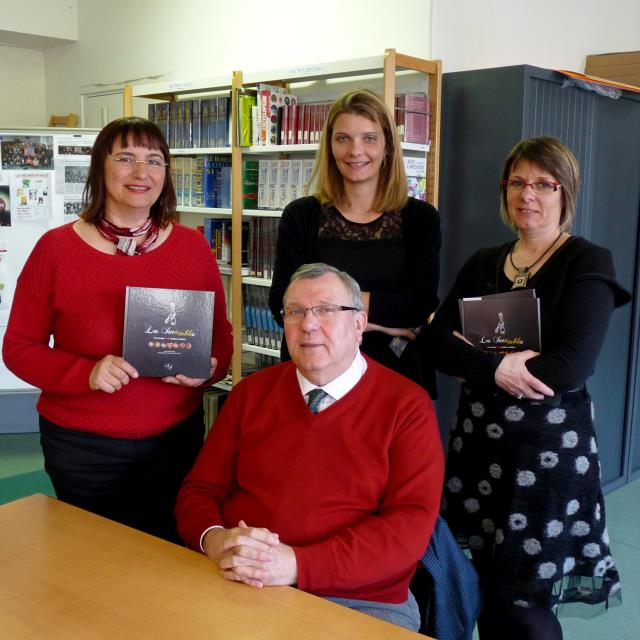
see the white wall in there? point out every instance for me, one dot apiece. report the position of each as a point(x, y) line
point(148, 40)
point(47, 19)
point(554, 34)
point(22, 88)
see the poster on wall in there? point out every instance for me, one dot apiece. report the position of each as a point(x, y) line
point(72, 154)
point(26, 152)
point(72, 207)
point(74, 147)
point(30, 196)
point(71, 178)
point(4, 281)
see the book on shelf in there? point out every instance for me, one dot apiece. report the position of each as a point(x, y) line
point(502, 323)
point(218, 233)
point(168, 331)
point(222, 121)
point(412, 117)
point(261, 234)
point(415, 169)
point(270, 99)
point(193, 124)
point(250, 178)
point(263, 173)
point(282, 181)
point(246, 100)
point(261, 328)
point(269, 116)
point(205, 107)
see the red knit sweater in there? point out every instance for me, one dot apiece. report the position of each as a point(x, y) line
point(75, 293)
point(354, 489)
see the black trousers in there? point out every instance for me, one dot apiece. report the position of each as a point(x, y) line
point(133, 481)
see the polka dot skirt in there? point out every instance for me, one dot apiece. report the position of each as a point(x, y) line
point(522, 491)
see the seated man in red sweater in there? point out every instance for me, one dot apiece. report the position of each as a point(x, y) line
point(336, 494)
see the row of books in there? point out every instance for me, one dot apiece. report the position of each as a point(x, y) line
point(260, 325)
point(253, 361)
point(258, 243)
point(270, 115)
point(412, 117)
point(261, 246)
point(194, 124)
point(202, 181)
point(281, 181)
point(205, 181)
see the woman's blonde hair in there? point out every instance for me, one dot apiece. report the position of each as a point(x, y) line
point(391, 194)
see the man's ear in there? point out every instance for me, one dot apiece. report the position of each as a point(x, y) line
point(361, 321)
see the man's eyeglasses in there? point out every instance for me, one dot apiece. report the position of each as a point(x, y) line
point(155, 164)
point(323, 313)
point(541, 186)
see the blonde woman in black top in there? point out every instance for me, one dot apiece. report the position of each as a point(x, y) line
point(360, 220)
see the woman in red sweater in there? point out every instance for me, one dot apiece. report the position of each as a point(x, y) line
point(114, 442)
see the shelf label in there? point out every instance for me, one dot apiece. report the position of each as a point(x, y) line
point(306, 69)
point(181, 84)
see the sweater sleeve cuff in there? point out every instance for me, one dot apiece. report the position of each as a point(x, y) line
point(312, 574)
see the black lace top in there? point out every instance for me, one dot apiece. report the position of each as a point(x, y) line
point(395, 258)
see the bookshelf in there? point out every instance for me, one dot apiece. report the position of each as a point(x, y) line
point(386, 74)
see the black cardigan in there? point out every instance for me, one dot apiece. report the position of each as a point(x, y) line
point(411, 299)
point(578, 292)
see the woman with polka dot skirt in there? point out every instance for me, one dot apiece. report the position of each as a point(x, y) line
point(522, 488)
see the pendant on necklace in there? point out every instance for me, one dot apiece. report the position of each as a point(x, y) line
point(126, 245)
point(521, 279)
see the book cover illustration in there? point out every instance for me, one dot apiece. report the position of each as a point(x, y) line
point(168, 331)
point(502, 323)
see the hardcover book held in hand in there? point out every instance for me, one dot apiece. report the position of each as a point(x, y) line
point(168, 331)
point(502, 323)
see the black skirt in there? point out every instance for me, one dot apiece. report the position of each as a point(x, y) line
point(522, 492)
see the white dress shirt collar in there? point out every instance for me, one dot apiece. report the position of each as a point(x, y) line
point(342, 384)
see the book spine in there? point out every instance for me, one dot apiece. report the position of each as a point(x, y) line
point(295, 180)
point(282, 190)
point(187, 125)
point(249, 184)
point(301, 108)
point(272, 184)
point(307, 170)
point(195, 123)
point(263, 184)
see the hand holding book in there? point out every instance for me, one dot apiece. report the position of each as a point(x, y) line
point(185, 381)
point(507, 324)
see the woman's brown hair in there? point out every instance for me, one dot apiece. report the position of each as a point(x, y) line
point(553, 156)
point(128, 131)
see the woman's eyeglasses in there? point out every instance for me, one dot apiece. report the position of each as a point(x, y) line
point(155, 164)
point(540, 186)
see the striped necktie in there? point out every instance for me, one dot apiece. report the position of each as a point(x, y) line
point(316, 396)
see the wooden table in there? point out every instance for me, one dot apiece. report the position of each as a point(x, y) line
point(66, 573)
